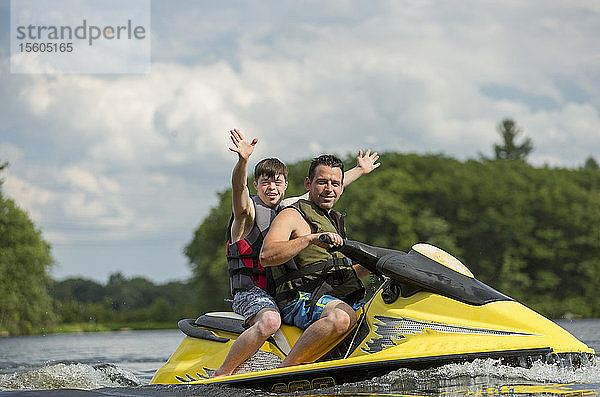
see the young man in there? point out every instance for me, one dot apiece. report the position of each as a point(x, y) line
point(318, 296)
point(251, 219)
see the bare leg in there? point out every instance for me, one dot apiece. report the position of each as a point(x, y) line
point(264, 324)
point(337, 319)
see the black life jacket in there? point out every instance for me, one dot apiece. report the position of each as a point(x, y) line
point(331, 273)
point(245, 270)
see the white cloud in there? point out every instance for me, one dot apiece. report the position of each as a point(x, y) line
point(79, 205)
point(10, 153)
point(140, 157)
point(29, 197)
point(566, 137)
point(82, 179)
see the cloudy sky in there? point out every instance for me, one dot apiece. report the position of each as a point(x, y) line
point(119, 170)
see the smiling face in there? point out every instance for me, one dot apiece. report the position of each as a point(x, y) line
point(326, 187)
point(271, 190)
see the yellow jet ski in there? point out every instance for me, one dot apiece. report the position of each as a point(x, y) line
point(429, 311)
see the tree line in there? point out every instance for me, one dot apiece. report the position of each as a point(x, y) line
point(531, 232)
point(122, 301)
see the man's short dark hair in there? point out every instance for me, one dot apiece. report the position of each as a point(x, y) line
point(328, 160)
point(269, 168)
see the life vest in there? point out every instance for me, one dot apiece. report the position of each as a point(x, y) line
point(318, 271)
point(245, 270)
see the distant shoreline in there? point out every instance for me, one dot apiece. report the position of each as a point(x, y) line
point(96, 327)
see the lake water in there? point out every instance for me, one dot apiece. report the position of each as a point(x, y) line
point(122, 364)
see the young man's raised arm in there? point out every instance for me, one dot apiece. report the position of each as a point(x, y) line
point(242, 206)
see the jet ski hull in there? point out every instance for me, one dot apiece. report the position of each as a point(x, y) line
point(419, 331)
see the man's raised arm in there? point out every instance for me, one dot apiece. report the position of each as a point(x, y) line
point(365, 163)
point(243, 209)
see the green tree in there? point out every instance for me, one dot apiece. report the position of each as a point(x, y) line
point(509, 149)
point(591, 164)
point(160, 308)
point(78, 289)
point(206, 253)
point(25, 258)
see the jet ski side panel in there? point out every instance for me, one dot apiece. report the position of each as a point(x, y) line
point(430, 325)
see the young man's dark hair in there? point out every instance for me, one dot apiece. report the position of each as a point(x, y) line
point(269, 168)
point(326, 159)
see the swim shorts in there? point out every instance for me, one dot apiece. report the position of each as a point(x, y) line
point(296, 312)
point(248, 303)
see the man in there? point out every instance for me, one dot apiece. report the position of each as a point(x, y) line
point(250, 221)
point(318, 296)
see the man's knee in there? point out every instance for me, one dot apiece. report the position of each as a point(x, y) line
point(345, 320)
point(268, 323)
point(341, 316)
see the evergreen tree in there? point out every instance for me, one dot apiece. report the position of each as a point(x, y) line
point(509, 149)
point(591, 164)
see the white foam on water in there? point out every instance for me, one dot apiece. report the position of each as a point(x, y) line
point(539, 372)
point(76, 376)
point(472, 377)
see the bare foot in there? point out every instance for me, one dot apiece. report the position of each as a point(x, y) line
point(218, 374)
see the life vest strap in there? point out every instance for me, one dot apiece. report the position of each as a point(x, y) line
point(241, 256)
point(327, 272)
point(301, 272)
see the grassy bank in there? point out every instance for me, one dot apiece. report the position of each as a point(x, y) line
point(99, 327)
point(105, 327)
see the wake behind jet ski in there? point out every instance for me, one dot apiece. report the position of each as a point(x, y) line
point(429, 311)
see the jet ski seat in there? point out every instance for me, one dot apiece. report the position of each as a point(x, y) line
point(227, 322)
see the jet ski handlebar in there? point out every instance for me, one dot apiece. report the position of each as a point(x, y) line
point(365, 255)
point(418, 272)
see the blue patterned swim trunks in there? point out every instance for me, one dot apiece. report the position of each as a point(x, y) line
point(296, 312)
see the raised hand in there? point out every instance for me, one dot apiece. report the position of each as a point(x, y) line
point(241, 146)
point(368, 161)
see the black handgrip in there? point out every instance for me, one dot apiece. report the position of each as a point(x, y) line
point(361, 253)
point(324, 238)
point(364, 254)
